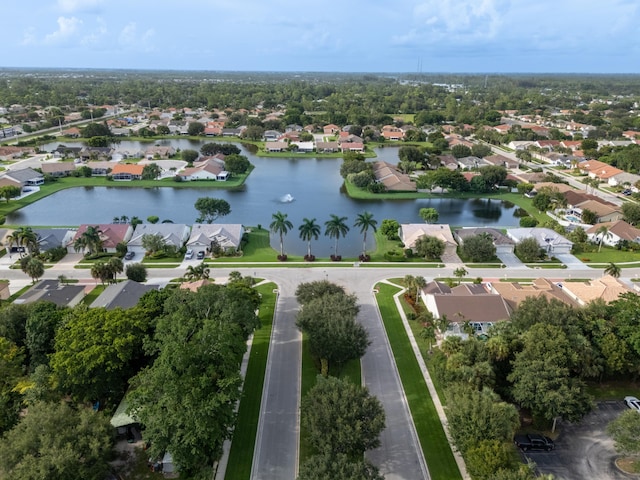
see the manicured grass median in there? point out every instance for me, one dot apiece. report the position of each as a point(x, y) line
point(435, 446)
point(244, 435)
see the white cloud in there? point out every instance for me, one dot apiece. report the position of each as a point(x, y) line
point(29, 37)
point(79, 5)
point(67, 27)
point(130, 38)
point(95, 36)
point(456, 21)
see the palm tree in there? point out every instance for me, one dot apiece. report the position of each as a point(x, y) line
point(116, 266)
point(602, 232)
point(309, 230)
point(613, 270)
point(124, 219)
point(365, 221)
point(336, 228)
point(34, 268)
point(281, 226)
point(199, 272)
point(91, 239)
point(24, 237)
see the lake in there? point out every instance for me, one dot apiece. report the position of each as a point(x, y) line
point(314, 185)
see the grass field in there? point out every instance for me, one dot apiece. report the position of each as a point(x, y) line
point(244, 435)
point(436, 448)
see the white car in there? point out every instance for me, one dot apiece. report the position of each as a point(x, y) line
point(188, 255)
point(633, 403)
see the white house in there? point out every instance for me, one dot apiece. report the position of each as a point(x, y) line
point(617, 231)
point(172, 233)
point(204, 236)
point(552, 242)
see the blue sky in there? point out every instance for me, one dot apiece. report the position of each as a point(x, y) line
point(593, 36)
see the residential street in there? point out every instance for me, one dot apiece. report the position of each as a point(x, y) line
point(276, 455)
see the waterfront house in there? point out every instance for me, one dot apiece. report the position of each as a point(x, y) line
point(205, 236)
point(111, 235)
point(127, 171)
point(26, 177)
point(174, 234)
point(549, 240)
point(409, 233)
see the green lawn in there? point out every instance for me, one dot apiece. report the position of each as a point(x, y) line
point(244, 435)
point(609, 255)
point(436, 448)
point(613, 390)
point(95, 293)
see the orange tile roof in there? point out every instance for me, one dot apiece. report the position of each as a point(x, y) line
point(131, 168)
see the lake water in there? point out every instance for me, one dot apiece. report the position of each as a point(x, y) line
point(314, 184)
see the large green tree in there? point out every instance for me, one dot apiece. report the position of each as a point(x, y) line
point(475, 415)
point(186, 398)
point(543, 378)
point(97, 350)
point(41, 326)
point(342, 417)
point(211, 209)
point(57, 441)
point(311, 290)
point(334, 334)
point(479, 248)
point(429, 247)
point(322, 467)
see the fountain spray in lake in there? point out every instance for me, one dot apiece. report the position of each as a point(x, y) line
point(288, 198)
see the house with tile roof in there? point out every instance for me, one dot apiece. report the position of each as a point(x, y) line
point(127, 171)
point(465, 303)
point(26, 177)
point(606, 288)
point(618, 231)
point(392, 178)
point(111, 235)
point(514, 293)
point(410, 232)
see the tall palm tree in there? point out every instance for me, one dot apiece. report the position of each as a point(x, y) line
point(602, 232)
point(91, 239)
point(336, 227)
point(309, 230)
point(116, 266)
point(365, 221)
point(24, 237)
point(281, 226)
point(613, 270)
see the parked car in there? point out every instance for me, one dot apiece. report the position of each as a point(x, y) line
point(627, 192)
point(188, 255)
point(633, 403)
point(129, 255)
point(200, 255)
point(533, 441)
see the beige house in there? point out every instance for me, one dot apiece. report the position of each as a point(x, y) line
point(411, 232)
point(606, 288)
point(515, 293)
point(392, 178)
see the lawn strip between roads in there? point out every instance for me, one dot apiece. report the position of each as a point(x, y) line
point(435, 447)
point(244, 435)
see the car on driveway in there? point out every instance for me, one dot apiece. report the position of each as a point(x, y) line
point(200, 255)
point(633, 403)
point(129, 255)
point(188, 255)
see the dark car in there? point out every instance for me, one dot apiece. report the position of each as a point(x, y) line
point(200, 255)
point(129, 255)
point(533, 441)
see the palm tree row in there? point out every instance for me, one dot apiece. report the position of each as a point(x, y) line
point(336, 227)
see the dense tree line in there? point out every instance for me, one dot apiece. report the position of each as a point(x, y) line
point(541, 361)
point(180, 351)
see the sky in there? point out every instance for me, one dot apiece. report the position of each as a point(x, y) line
point(474, 36)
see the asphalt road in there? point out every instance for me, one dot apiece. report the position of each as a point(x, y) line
point(583, 450)
point(399, 457)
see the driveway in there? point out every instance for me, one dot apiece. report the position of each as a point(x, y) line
point(583, 450)
point(510, 260)
point(571, 261)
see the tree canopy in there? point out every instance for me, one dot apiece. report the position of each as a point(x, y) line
point(211, 208)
